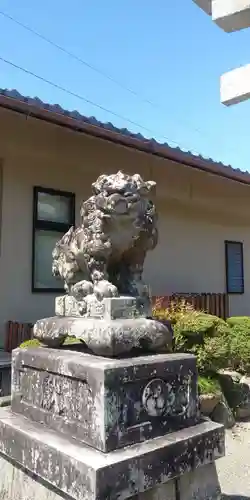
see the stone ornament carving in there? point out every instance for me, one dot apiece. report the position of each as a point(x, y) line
point(163, 398)
point(104, 256)
point(155, 397)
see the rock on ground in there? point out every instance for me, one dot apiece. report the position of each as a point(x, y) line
point(234, 468)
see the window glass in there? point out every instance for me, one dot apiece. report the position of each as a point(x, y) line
point(234, 267)
point(45, 242)
point(54, 208)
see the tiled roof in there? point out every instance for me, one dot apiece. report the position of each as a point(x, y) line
point(12, 99)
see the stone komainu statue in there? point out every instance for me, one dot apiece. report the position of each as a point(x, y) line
point(105, 255)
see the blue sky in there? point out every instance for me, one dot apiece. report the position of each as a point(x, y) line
point(168, 51)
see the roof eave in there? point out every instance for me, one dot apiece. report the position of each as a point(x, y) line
point(146, 146)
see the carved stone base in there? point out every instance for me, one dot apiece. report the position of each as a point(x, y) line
point(107, 337)
point(79, 472)
point(107, 308)
point(105, 403)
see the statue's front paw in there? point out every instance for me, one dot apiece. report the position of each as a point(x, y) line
point(81, 289)
point(104, 288)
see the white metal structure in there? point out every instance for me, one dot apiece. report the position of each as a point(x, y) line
point(231, 15)
point(235, 86)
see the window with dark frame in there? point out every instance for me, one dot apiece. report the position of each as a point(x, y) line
point(53, 215)
point(234, 267)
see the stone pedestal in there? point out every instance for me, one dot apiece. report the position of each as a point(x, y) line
point(114, 326)
point(16, 483)
point(120, 419)
point(84, 473)
point(84, 427)
point(105, 403)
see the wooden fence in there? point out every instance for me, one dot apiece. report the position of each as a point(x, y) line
point(212, 303)
point(16, 333)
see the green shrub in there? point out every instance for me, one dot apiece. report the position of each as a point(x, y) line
point(30, 343)
point(240, 348)
point(208, 385)
point(204, 335)
point(239, 343)
point(176, 310)
point(191, 329)
point(213, 354)
point(243, 321)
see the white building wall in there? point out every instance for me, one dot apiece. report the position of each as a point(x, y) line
point(190, 256)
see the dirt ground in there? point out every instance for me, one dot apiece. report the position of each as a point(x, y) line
point(234, 468)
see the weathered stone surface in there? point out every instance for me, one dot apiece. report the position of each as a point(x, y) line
point(165, 491)
point(103, 402)
point(18, 484)
point(84, 473)
point(107, 337)
point(200, 484)
point(223, 415)
point(208, 402)
point(105, 255)
point(237, 392)
point(107, 308)
point(107, 305)
point(243, 409)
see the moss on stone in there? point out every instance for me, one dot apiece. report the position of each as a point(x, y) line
point(30, 343)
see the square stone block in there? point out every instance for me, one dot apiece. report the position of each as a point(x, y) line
point(83, 473)
point(105, 403)
point(108, 309)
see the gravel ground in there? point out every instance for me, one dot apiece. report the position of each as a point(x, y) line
point(234, 468)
